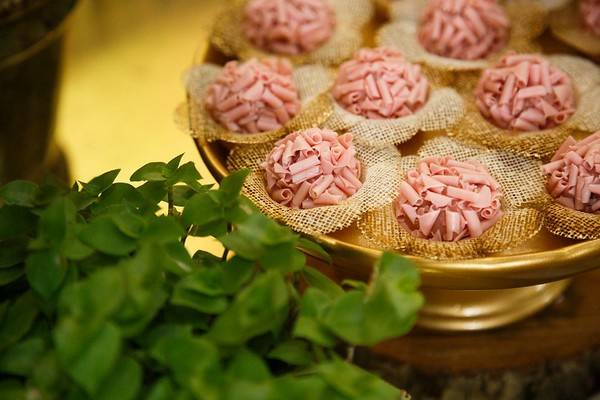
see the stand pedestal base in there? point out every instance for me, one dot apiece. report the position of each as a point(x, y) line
point(471, 310)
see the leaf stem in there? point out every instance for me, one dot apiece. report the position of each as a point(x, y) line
point(226, 251)
point(350, 354)
point(170, 200)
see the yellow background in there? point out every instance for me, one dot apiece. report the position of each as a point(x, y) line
point(122, 82)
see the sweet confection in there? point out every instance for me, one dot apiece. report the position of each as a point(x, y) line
point(379, 83)
point(256, 96)
point(312, 168)
point(464, 29)
point(443, 199)
point(590, 13)
point(288, 27)
point(574, 174)
point(525, 93)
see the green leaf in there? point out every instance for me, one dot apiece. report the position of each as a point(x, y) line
point(20, 358)
point(129, 223)
point(153, 193)
point(45, 272)
point(176, 259)
point(16, 221)
point(319, 281)
point(188, 174)
point(123, 195)
point(9, 275)
point(103, 235)
point(309, 323)
point(163, 229)
point(390, 310)
point(236, 273)
point(293, 352)
point(162, 390)
point(248, 366)
point(19, 193)
point(12, 389)
point(181, 195)
point(283, 257)
point(352, 382)
point(100, 183)
point(95, 298)
point(123, 382)
point(231, 186)
point(17, 320)
point(13, 252)
point(55, 221)
point(198, 301)
point(88, 356)
point(194, 362)
point(203, 209)
point(314, 250)
point(152, 172)
point(174, 163)
point(255, 310)
point(302, 388)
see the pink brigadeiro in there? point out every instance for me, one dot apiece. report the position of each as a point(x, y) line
point(574, 174)
point(448, 200)
point(289, 27)
point(590, 13)
point(464, 29)
point(256, 96)
point(312, 168)
point(379, 83)
point(525, 93)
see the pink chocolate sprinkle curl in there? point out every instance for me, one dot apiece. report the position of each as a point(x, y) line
point(311, 168)
point(446, 200)
point(256, 96)
point(288, 27)
point(590, 13)
point(524, 92)
point(464, 29)
point(379, 83)
point(574, 174)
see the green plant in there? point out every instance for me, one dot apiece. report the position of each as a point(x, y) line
point(101, 299)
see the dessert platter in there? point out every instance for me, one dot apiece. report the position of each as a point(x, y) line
point(437, 129)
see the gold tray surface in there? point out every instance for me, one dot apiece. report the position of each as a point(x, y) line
point(544, 258)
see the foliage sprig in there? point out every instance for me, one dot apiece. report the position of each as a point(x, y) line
point(100, 299)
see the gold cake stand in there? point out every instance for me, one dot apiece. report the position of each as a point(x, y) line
point(465, 295)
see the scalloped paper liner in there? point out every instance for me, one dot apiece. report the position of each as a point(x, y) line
point(351, 16)
point(381, 181)
point(527, 19)
point(567, 26)
point(443, 109)
point(523, 186)
point(474, 128)
point(312, 82)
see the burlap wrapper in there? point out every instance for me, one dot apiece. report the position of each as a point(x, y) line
point(523, 186)
point(474, 128)
point(566, 24)
point(566, 222)
point(381, 181)
point(443, 109)
point(351, 16)
point(312, 82)
point(548, 5)
point(527, 18)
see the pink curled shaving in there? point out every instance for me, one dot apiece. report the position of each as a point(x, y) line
point(288, 27)
point(574, 174)
point(312, 168)
point(524, 92)
point(590, 13)
point(464, 29)
point(256, 96)
point(379, 83)
point(447, 200)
